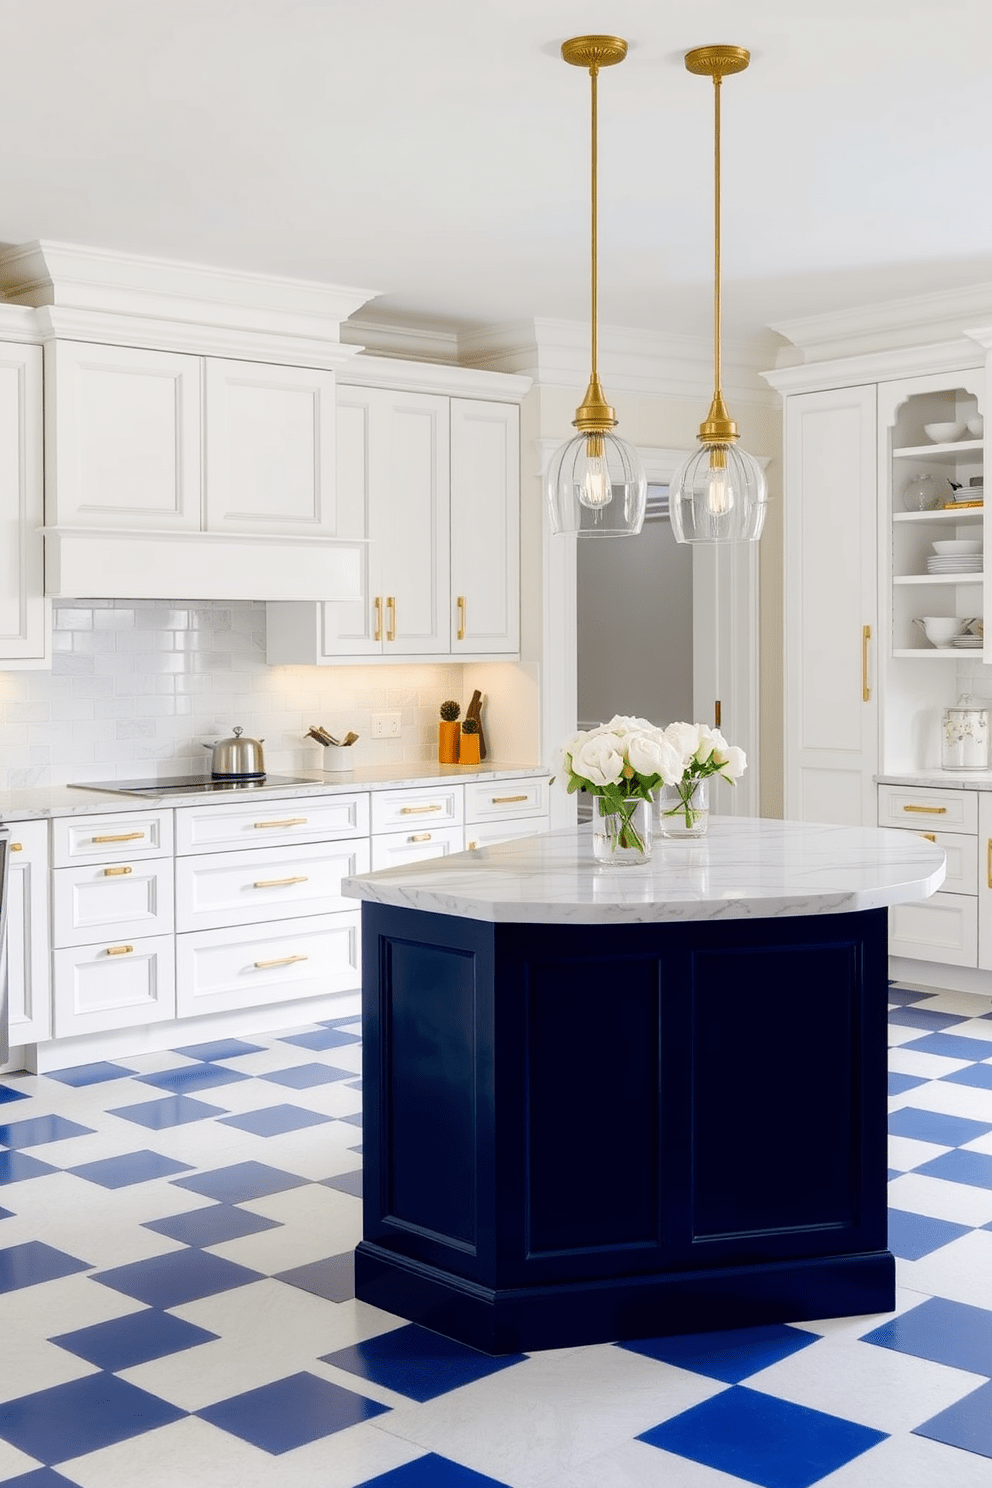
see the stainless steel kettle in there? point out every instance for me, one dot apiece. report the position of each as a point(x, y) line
point(237, 758)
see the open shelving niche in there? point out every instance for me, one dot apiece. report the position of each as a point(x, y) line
point(920, 680)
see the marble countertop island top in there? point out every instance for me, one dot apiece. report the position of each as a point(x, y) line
point(746, 867)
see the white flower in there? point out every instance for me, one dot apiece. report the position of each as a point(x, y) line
point(623, 724)
point(561, 759)
point(599, 759)
point(684, 737)
point(732, 762)
point(653, 754)
point(709, 739)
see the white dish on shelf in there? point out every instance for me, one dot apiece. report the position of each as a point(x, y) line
point(947, 566)
point(958, 546)
point(975, 425)
point(944, 433)
point(968, 642)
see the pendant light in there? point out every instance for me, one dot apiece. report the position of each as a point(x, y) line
point(596, 486)
point(719, 494)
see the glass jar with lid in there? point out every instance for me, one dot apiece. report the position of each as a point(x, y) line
point(965, 736)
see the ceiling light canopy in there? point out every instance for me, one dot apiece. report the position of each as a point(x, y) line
point(596, 486)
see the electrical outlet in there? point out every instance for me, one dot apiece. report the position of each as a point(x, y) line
point(385, 725)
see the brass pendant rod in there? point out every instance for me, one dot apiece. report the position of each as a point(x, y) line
point(594, 230)
point(717, 297)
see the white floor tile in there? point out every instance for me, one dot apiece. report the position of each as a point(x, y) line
point(62, 1306)
point(14, 1463)
point(939, 1199)
point(961, 1270)
point(859, 1325)
point(954, 1100)
point(634, 1464)
point(912, 1462)
point(898, 1034)
point(39, 1365)
point(315, 1222)
point(906, 1153)
point(927, 1066)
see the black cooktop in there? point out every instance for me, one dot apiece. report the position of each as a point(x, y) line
point(188, 784)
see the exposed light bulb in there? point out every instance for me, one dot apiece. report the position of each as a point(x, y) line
point(596, 491)
point(719, 487)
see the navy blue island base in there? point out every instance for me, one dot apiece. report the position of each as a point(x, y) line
point(581, 1133)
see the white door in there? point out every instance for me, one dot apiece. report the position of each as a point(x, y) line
point(22, 553)
point(270, 434)
point(410, 476)
point(123, 438)
point(485, 527)
point(831, 711)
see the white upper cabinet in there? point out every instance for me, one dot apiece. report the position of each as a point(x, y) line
point(23, 627)
point(485, 527)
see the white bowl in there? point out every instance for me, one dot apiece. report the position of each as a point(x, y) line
point(940, 630)
point(975, 426)
point(944, 433)
point(958, 548)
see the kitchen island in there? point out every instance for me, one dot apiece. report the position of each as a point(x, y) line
point(607, 1103)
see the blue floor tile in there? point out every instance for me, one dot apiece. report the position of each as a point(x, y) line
point(37, 1130)
point(121, 1343)
point(898, 1083)
point(211, 1225)
point(430, 1472)
point(90, 1074)
point(289, 1412)
point(32, 1262)
point(7, 1214)
point(914, 1235)
point(321, 1038)
point(966, 1424)
point(764, 1440)
point(82, 1416)
point(349, 1183)
point(305, 1076)
point(933, 1126)
point(39, 1477)
point(351, 1021)
point(977, 1075)
point(16, 1166)
point(240, 1182)
point(917, 1017)
point(418, 1363)
point(273, 1121)
point(355, 1119)
point(903, 996)
point(946, 1332)
point(951, 1046)
point(8, 1093)
point(229, 1048)
point(129, 1168)
point(171, 1110)
point(729, 1355)
point(192, 1077)
point(333, 1278)
point(974, 1168)
point(175, 1278)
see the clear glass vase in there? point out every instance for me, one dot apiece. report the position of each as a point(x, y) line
point(621, 837)
point(684, 809)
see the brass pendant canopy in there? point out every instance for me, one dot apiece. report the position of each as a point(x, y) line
point(595, 485)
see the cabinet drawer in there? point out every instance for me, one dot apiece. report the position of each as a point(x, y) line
point(962, 861)
point(111, 902)
point(395, 849)
point(264, 822)
point(112, 838)
point(931, 809)
point(487, 834)
point(435, 806)
point(247, 967)
point(496, 800)
point(114, 985)
point(235, 888)
point(942, 928)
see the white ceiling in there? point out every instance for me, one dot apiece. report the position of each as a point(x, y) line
point(437, 150)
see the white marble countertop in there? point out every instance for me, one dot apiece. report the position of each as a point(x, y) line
point(976, 780)
point(67, 800)
point(746, 867)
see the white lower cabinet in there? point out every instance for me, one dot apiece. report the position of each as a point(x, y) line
point(27, 946)
point(268, 883)
point(396, 849)
point(250, 965)
point(945, 927)
point(984, 880)
point(942, 928)
point(100, 987)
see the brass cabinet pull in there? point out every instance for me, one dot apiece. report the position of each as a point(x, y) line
point(279, 961)
point(717, 713)
point(930, 836)
point(121, 837)
point(277, 883)
point(461, 617)
point(391, 618)
point(504, 800)
point(865, 689)
point(416, 810)
point(377, 634)
point(116, 872)
point(472, 846)
point(17, 847)
point(291, 821)
point(420, 837)
point(929, 810)
point(119, 950)
point(988, 864)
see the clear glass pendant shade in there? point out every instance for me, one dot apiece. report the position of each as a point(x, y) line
point(596, 487)
point(718, 495)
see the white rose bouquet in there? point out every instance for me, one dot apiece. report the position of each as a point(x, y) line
point(704, 752)
point(623, 761)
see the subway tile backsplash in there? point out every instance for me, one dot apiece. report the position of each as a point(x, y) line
point(137, 687)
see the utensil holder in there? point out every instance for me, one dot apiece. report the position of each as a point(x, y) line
point(338, 758)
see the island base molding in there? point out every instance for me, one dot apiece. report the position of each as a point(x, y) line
point(656, 1306)
point(586, 1131)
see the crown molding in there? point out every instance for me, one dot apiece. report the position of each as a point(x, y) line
point(18, 323)
point(119, 286)
point(432, 377)
point(411, 343)
point(890, 325)
point(958, 355)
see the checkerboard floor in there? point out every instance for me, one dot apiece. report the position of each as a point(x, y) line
point(177, 1302)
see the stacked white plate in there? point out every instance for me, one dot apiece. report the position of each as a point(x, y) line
point(968, 642)
point(956, 563)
